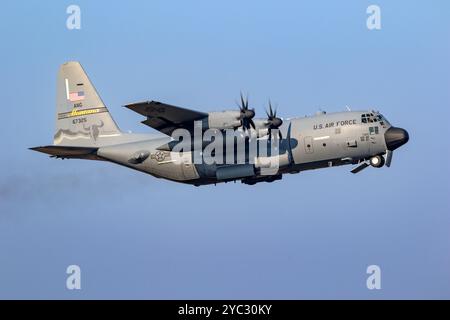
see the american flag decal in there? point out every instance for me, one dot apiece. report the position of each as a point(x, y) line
point(76, 96)
point(73, 96)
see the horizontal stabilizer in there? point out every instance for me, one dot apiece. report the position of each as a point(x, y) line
point(69, 152)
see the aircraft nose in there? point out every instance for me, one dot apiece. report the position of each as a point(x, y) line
point(395, 138)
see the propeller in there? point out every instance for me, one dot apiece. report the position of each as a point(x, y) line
point(246, 115)
point(273, 122)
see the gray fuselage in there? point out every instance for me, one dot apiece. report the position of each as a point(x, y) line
point(319, 141)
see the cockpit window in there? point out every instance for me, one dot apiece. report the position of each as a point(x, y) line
point(368, 118)
point(382, 120)
point(374, 117)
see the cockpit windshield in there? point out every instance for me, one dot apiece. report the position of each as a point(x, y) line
point(383, 120)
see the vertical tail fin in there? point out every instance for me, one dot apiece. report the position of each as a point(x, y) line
point(81, 116)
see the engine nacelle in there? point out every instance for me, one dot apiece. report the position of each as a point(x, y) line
point(223, 120)
point(261, 127)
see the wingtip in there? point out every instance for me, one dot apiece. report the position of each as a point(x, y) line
point(128, 105)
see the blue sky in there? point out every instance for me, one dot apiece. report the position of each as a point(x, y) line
point(312, 235)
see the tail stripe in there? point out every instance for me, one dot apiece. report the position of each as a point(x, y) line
point(85, 112)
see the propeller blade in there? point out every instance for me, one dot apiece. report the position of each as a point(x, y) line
point(288, 138)
point(252, 124)
point(359, 168)
point(279, 135)
point(389, 155)
point(242, 103)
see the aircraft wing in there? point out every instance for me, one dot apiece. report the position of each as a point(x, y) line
point(165, 117)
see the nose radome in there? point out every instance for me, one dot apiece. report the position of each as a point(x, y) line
point(395, 138)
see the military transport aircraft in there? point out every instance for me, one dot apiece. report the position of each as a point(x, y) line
point(86, 130)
